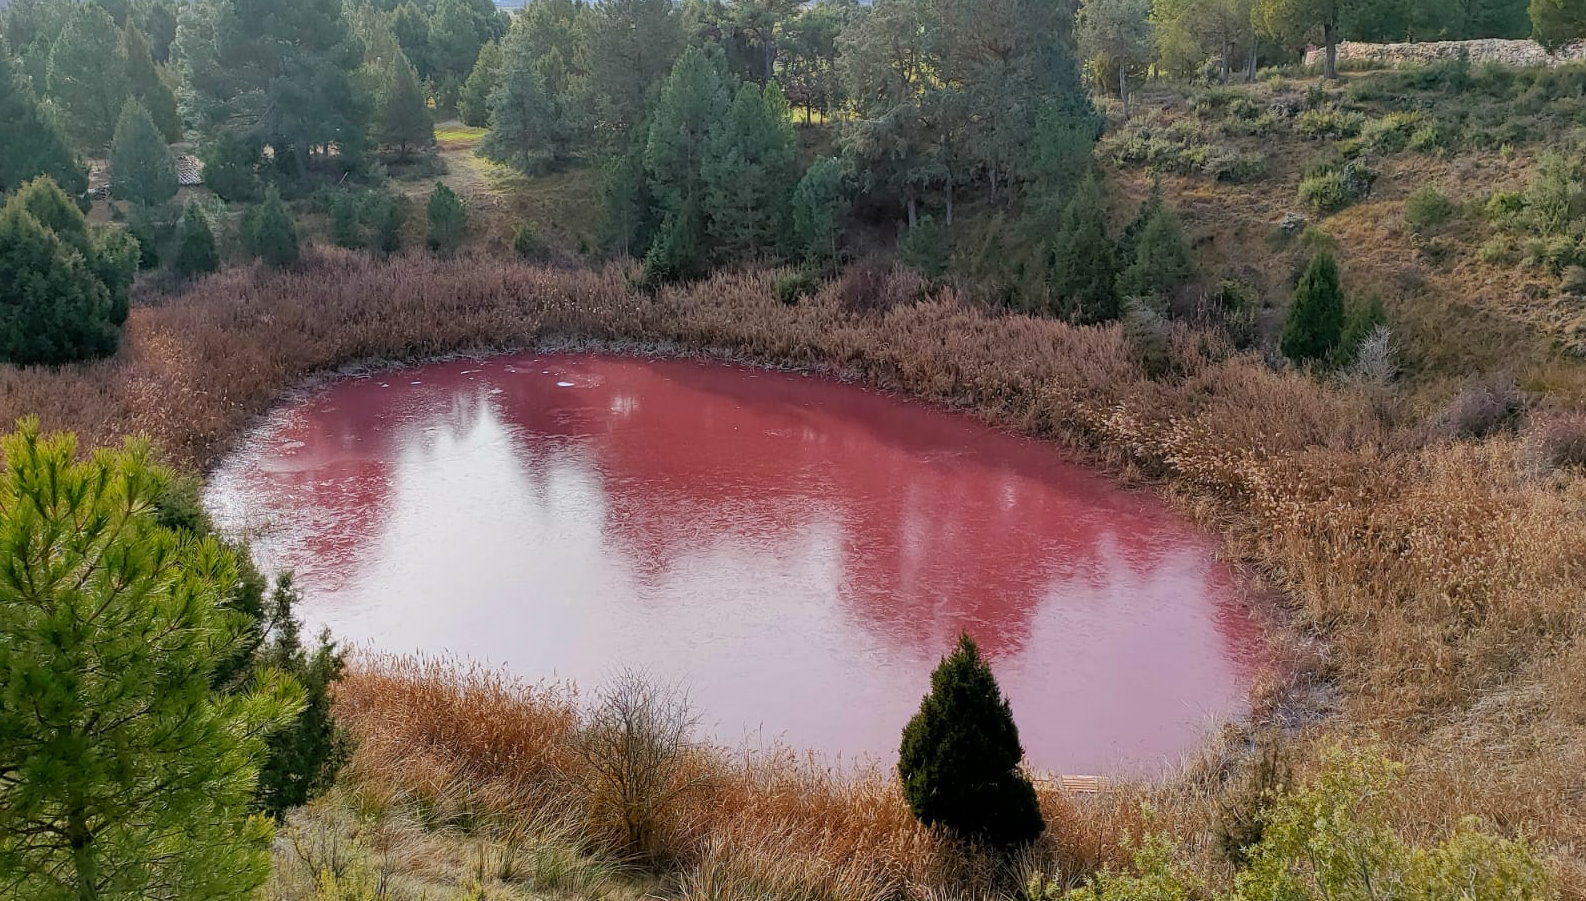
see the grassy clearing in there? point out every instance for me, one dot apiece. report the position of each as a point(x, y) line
point(458, 135)
point(1444, 575)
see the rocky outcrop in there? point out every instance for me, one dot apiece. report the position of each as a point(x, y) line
point(1518, 54)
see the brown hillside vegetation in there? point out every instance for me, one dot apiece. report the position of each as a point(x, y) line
point(1445, 575)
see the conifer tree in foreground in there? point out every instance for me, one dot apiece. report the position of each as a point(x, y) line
point(1084, 266)
point(959, 760)
point(31, 144)
point(125, 773)
point(447, 220)
point(1316, 318)
point(403, 119)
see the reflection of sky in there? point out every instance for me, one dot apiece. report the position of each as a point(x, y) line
point(800, 553)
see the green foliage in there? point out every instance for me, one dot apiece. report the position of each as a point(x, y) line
point(473, 104)
point(1316, 317)
point(402, 119)
point(386, 215)
point(526, 242)
point(1555, 196)
point(820, 203)
point(625, 208)
point(793, 285)
point(269, 231)
point(748, 172)
point(960, 754)
point(63, 290)
point(1555, 23)
point(693, 103)
point(1160, 260)
point(1083, 262)
point(927, 248)
point(305, 754)
point(631, 46)
point(1360, 321)
point(1064, 152)
point(1116, 37)
point(128, 774)
point(144, 84)
point(196, 253)
point(87, 77)
point(528, 130)
point(1332, 188)
point(231, 167)
point(1427, 210)
point(1329, 122)
point(31, 143)
point(675, 255)
point(346, 220)
point(447, 221)
point(142, 169)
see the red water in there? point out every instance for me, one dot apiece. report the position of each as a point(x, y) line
point(798, 552)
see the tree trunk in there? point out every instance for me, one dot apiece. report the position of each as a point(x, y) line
point(1223, 67)
point(914, 209)
point(1250, 68)
point(85, 866)
point(1123, 88)
point(949, 200)
point(1330, 38)
point(770, 56)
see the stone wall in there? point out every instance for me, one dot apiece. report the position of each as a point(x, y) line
point(1518, 54)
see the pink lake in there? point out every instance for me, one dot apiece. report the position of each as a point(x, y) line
point(797, 552)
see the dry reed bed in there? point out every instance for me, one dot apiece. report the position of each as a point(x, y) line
point(1447, 583)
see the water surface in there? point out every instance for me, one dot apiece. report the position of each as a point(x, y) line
point(798, 552)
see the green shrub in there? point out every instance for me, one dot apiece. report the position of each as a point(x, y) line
point(793, 285)
point(1234, 167)
point(1555, 196)
point(447, 220)
point(1332, 189)
point(960, 755)
point(526, 242)
point(1427, 210)
point(386, 214)
point(195, 244)
point(345, 222)
point(1391, 133)
point(270, 232)
point(231, 167)
point(927, 247)
point(1316, 317)
point(1329, 122)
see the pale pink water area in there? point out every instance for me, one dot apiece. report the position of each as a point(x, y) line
point(797, 551)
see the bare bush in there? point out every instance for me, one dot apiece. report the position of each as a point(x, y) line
point(1486, 406)
point(634, 748)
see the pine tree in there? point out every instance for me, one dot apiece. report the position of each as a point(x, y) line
point(31, 144)
point(1316, 317)
point(1159, 258)
point(87, 77)
point(196, 253)
point(675, 254)
point(345, 220)
point(749, 172)
point(143, 82)
point(142, 169)
point(128, 775)
point(473, 105)
point(526, 131)
point(820, 201)
point(1083, 267)
point(403, 118)
point(53, 308)
point(447, 219)
point(693, 102)
point(959, 760)
point(231, 167)
point(386, 215)
point(305, 755)
point(271, 234)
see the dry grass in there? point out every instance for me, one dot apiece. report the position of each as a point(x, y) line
point(1446, 582)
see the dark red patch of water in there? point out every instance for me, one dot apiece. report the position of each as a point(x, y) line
point(796, 551)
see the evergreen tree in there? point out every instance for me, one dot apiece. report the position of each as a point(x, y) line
point(526, 131)
point(387, 215)
point(1116, 37)
point(1158, 259)
point(1555, 23)
point(128, 775)
point(749, 171)
point(403, 118)
point(344, 220)
point(231, 167)
point(53, 307)
point(115, 263)
point(271, 234)
point(1359, 323)
point(693, 103)
point(304, 755)
point(473, 105)
point(1083, 267)
point(87, 77)
point(631, 46)
point(142, 169)
point(626, 211)
point(457, 31)
point(959, 760)
point(675, 255)
point(143, 83)
point(31, 144)
point(161, 29)
point(820, 201)
point(447, 219)
point(196, 253)
point(1316, 317)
